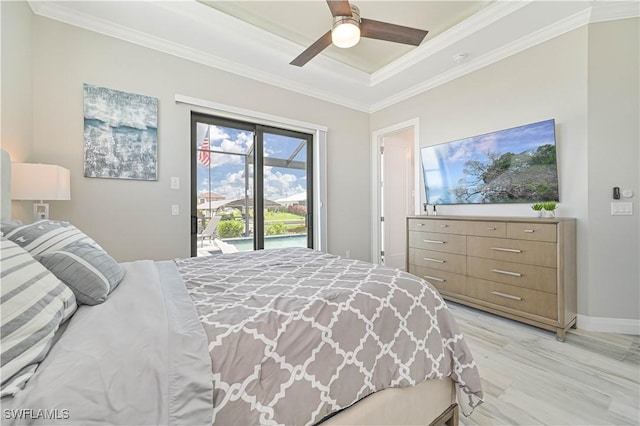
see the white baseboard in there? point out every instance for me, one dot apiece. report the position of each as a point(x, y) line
point(609, 325)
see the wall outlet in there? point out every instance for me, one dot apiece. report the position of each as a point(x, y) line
point(175, 209)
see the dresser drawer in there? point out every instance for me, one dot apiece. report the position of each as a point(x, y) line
point(487, 229)
point(447, 282)
point(520, 268)
point(438, 260)
point(438, 242)
point(423, 225)
point(519, 251)
point(450, 226)
point(521, 299)
point(518, 274)
point(532, 231)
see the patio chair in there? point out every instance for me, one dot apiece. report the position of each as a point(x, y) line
point(225, 247)
point(210, 230)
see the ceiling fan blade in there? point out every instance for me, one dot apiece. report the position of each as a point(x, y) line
point(339, 7)
point(391, 32)
point(313, 50)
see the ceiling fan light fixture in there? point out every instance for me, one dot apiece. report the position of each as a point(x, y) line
point(345, 32)
point(346, 29)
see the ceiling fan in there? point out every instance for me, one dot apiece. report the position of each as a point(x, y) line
point(348, 27)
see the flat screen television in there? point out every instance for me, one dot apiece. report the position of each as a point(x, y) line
point(515, 165)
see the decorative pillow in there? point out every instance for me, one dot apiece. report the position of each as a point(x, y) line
point(46, 236)
point(88, 271)
point(72, 256)
point(33, 304)
point(8, 224)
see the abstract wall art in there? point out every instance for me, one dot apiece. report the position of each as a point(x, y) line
point(120, 134)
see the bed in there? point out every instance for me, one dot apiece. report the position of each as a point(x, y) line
point(286, 336)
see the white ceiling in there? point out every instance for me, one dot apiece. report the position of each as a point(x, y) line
point(258, 39)
point(303, 22)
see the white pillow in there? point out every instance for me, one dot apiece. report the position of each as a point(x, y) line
point(34, 304)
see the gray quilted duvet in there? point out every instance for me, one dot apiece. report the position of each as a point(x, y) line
point(295, 334)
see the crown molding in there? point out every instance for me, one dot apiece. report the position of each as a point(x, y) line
point(58, 12)
point(603, 11)
point(335, 77)
point(480, 20)
point(558, 28)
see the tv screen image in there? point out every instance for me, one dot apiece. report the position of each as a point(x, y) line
point(516, 165)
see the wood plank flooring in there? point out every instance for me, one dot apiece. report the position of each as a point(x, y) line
point(530, 378)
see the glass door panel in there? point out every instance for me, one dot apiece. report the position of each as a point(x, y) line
point(224, 189)
point(286, 181)
point(251, 187)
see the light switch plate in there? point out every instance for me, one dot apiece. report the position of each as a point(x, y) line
point(175, 209)
point(175, 182)
point(621, 209)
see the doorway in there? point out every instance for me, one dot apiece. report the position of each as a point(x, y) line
point(252, 186)
point(396, 193)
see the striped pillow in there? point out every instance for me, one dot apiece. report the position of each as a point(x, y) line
point(72, 256)
point(33, 303)
point(46, 236)
point(88, 271)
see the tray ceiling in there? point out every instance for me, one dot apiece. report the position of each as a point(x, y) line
point(258, 39)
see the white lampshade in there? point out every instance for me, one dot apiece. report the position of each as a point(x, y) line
point(40, 182)
point(345, 33)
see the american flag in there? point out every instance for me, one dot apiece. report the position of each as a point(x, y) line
point(204, 156)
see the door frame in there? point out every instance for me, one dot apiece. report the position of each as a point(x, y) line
point(192, 104)
point(258, 161)
point(376, 164)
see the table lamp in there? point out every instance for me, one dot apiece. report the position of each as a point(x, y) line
point(40, 182)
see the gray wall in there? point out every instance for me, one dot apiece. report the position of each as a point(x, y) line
point(17, 87)
point(614, 140)
point(587, 80)
point(132, 219)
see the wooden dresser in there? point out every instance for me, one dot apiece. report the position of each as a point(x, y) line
point(519, 268)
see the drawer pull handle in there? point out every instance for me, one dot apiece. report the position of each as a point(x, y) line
point(529, 231)
point(508, 296)
point(421, 224)
point(491, 228)
point(434, 260)
point(506, 249)
point(500, 271)
point(429, 277)
point(444, 226)
point(434, 241)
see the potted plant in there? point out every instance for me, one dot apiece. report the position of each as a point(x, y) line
point(537, 208)
point(549, 208)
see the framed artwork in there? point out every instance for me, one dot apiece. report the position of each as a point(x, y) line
point(120, 134)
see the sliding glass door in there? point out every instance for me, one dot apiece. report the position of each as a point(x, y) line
point(251, 186)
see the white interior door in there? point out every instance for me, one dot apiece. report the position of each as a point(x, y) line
point(397, 194)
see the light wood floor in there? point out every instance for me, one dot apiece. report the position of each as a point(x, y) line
point(529, 378)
